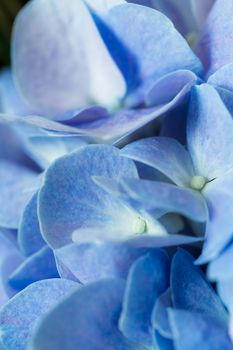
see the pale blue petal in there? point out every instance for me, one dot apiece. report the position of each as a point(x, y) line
point(222, 77)
point(200, 10)
point(39, 266)
point(219, 229)
point(220, 267)
point(168, 87)
point(70, 200)
point(57, 75)
point(193, 331)
point(141, 51)
point(160, 320)
point(148, 278)
point(19, 316)
point(154, 195)
point(214, 46)
point(45, 149)
point(16, 187)
point(91, 262)
point(110, 128)
point(191, 291)
point(11, 262)
point(166, 155)
point(209, 133)
point(29, 235)
point(94, 311)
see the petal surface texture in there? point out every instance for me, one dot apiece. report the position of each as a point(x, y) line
point(209, 133)
point(70, 200)
point(63, 63)
point(148, 278)
point(19, 316)
point(94, 311)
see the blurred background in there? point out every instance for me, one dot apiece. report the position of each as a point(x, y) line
point(8, 11)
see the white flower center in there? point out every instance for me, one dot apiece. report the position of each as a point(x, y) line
point(197, 182)
point(139, 226)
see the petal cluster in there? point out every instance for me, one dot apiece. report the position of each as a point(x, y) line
point(116, 176)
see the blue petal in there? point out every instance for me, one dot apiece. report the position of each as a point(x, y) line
point(154, 195)
point(148, 278)
point(221, 78)
point(219, 195)
point(19, 316)
point(179, 13)
point(193, 331)
point(7, 249)
point(91, 262)
point(160, 319)
point(209, 133)
point(70, 200)
point(108, 128)
point(165, 154)
point(94, 311)
point(214, 46)
point(220, 267)
point(168, 87)
point(141, 51)
point(51, 80)
point(225, 289)
point(162, 342)
point(45, 149)
point(227, 98)
point(9, 264)
point(29, 236)
point(191, 291)
point(11, 101)
point(200, 10)
point(16, 187)
point(102, 6)
point(150, 241)
point(39, 266)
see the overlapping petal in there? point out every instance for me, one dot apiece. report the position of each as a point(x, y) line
point(29, 235)
point(19, 316)
point(147, 279)
point(202, 298)
point(209, 133)
point(17, 184)
point(202, 332)
point(215, 46)
point(164, 154)
point(90, 328)
point(70, 200)
point(76, 76)
point(219, 227)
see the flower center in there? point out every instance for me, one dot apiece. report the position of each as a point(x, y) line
point(139, 226)
point(197, 182)
point(191, 38)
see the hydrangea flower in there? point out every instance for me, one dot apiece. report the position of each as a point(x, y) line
point(146, 80)
point(205, 167)
point(73, 208)
point(82, 226)
point(148, 309)
point(126, 71)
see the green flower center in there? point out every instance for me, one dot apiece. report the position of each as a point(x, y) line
point(139, 226)
point(197, 182)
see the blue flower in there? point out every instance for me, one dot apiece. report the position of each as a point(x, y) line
point(146, 79)
point(205, 168)
point(73, 208)
point(99, 63)
point(149, 308)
